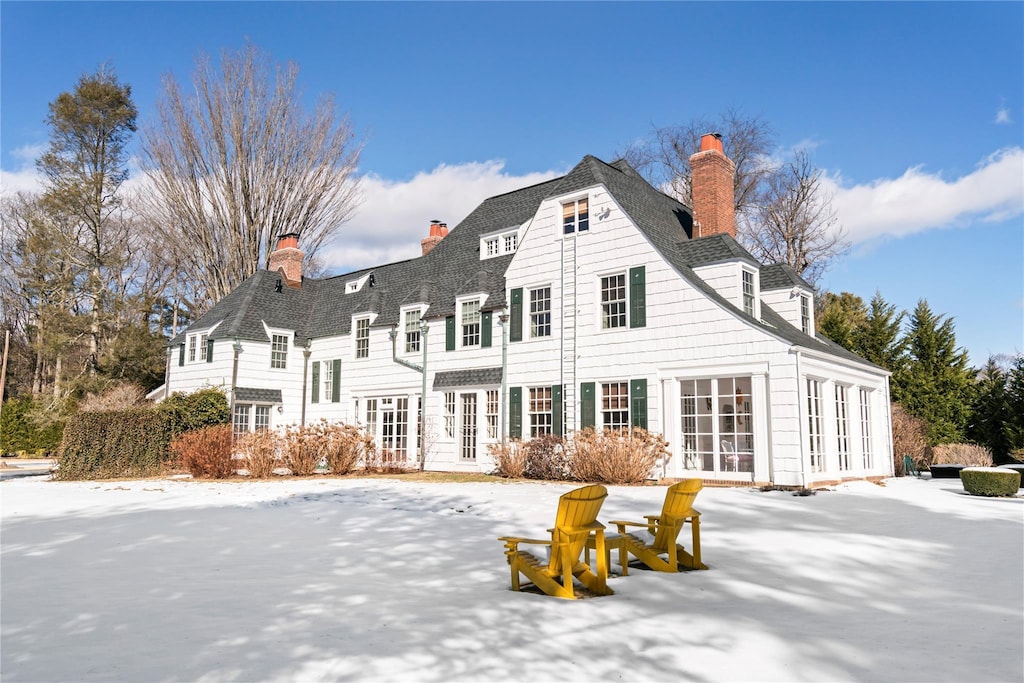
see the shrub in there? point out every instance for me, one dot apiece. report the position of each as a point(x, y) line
point(385, 461)
point(624, 456)
point(104, 445)
point(261, 453)
point(205, 453)
point(199, 409)
point(509, 458)
point(303, 449)
point(116, 397)
point(27, 425)
point(967, 454)
point(346, 446)
point(909, 437)
point(547, 458)
point(990, 481)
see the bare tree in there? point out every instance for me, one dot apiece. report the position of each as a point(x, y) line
point(794, 222)
point(236, 159)
point(783, 214)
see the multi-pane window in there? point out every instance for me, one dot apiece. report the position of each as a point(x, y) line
point(471, 323)
point(540, 411)
point(805, 313)
point(327, 371)
point(394, 428)
point(613, 301)
point(492, 246)
point(371, 417)
point(492, 414)
point(575, 217)
point(412, 331)
point(202, 346)
point(240, 419)
point(842, 427)
point(279, 351)
point(540, 312)
point(191, 348)
point(717, 424)
point(748, 292)
point(511, 240)
point(363, 338)
point(615, 405)
point(262, 419)
point(865, 428)
point(449, 414)
point(815, 425)
point(468, 450)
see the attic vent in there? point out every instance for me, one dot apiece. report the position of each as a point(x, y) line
point(353, 286)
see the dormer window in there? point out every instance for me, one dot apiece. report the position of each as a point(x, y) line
point(511, 241)
point(492, 246)
point(748, 292)
point(575, 216)
point(499, 244)
point(353, 286)
point(805, 313)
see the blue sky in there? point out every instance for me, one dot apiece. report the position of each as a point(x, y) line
point(915, 111)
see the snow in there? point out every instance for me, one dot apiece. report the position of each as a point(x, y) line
point(391, 579)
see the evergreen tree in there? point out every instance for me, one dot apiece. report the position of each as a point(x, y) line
point(1014, 425)
point(936, 383)
point(842, 318)
point(878, 340)
point(990, 412)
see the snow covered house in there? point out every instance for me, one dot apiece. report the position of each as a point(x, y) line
point(588, 300)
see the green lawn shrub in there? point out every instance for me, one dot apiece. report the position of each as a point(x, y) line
point(990, 481)
point(206, 452)
point(113, 444)
point(30, 426)
point(188, 412)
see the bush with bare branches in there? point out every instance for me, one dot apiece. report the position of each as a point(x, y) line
point(624, 456)
point(261, 453)
point(967, 454)
point(341, 445)
point(386, 461)
point(303, 448)
point(509, 458)
point(547, 458)
point(205, 453)
point(117, 397)
point(909, 437)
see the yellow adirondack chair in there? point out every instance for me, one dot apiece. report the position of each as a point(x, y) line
point(664, 528)
point(575, 522)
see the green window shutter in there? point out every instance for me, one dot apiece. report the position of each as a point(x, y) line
point(181, 354)
point(314, 395)
point(485, 328)
point(515, 412)
point(209, 350)
point(449, 333)
point(556, 410)
point(336, 381)
point(638, 402)
point(588, 406)
point(637, 297)
point(516, 330)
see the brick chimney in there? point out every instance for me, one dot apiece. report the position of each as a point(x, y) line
point(711, 190)
point(287, 259)
point(438, 231)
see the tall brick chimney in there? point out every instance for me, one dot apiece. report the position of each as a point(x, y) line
point(711, 190)
point(287, 259)
point(438, 231)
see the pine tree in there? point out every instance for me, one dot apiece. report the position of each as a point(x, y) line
point(878, 340)
point(1014, 425)
point(936, 383)
point(842, 318)
point(990, 412)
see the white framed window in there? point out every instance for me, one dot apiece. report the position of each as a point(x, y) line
point(815, 425)
point(511, 241)
point(748, 293)
point(615, 405)
point(412, 331)
point(613, 301)
point(865, 429)
point(469, 427)
point(843, 426)
point(492, 246)
point(449, 414)
point(371, 417)
point(240, 419)
point(540, 411)
point(202, 346)
point(191, 348)
point(499, 244)
point(363, 338)
point(261, 419)
point(540, 312)
point(279, 351)
point(805, 314)
point(492, 413)
point(327, 371)
point(470, 323)
point(717, 424)
point(250, 417)
point(575, 217)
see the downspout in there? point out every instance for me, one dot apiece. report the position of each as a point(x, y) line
point(503, 319)
point(167, 374)
point(237, 348)
point(305, 374)
point(422, 369)
point(803, 426)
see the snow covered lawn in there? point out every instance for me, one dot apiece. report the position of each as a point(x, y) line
point(385, 579)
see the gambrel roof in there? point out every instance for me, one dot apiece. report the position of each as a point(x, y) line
point(322, 308)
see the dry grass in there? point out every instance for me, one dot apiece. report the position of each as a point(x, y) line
point(117, 397)
point(968, 454)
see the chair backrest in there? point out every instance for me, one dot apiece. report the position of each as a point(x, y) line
point(678, 504)
point(577, 513)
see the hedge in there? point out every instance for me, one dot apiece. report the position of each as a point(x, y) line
point(19, 432)
point(122, 443)
point(990, 481)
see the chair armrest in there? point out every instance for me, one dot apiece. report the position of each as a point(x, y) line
point(509, 540)
point(621, 524)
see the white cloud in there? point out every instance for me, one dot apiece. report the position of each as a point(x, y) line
point(396, 215)
point(1003, 115)
point(918, 201)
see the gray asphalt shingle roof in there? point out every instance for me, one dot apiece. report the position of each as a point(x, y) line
point(480, 377)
